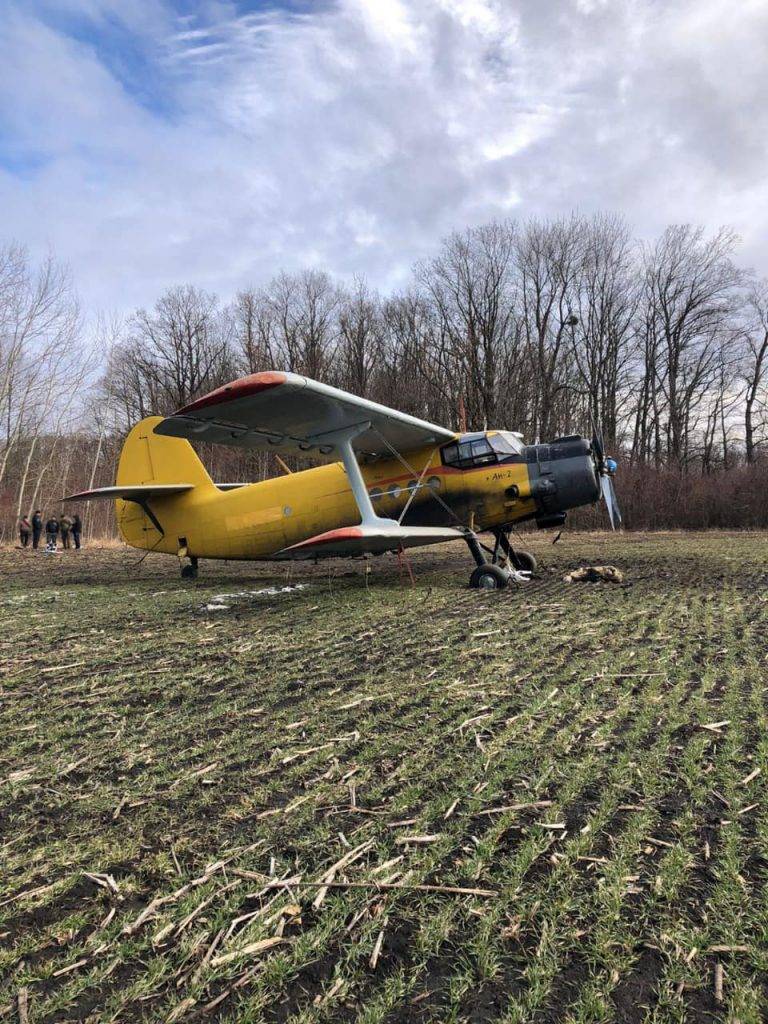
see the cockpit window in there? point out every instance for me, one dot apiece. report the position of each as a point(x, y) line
point(468, 453)
point(482, 452)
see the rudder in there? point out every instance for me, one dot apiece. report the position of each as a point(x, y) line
point(149, 458)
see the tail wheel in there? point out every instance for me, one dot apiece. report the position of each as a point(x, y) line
point(525, 560)
point(489, 577)
point(189, 572)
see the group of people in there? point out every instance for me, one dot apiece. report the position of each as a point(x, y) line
point(69, 529)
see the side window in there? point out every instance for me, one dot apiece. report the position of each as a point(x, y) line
point(451, 454)
point(482, 453)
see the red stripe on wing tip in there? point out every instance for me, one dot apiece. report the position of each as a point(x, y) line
point(242, 388)
point(344, 533)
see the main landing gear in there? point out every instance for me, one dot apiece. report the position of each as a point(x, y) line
point(189, 572)
point(493, 575)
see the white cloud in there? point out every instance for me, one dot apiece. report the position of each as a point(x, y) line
point(356, 133)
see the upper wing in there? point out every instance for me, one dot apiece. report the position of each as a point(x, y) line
point(289, 413)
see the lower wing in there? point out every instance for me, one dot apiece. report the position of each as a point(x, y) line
point(350, 541)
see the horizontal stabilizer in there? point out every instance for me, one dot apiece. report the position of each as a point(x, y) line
point(131, 492)
point(351, 541)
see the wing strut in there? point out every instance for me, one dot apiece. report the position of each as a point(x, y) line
point(342, 439)
point(375, 534)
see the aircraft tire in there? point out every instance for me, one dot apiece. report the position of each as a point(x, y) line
point(189, 572)
point(489, 577)
point(525, 560)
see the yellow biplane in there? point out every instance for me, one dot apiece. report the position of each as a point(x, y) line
point(401, 482)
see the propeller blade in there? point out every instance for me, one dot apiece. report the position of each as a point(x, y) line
point(598, 448)
point(609, 497)
point(605, 487)
point(616, 509)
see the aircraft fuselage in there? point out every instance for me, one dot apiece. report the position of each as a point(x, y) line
point(256, 521)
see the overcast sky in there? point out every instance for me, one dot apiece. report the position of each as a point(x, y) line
point(151, 142)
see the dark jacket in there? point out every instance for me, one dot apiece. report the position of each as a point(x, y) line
point(37, 523)
point(52, 526)
point(77, 524)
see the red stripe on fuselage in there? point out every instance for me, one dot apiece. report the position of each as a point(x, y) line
point(441, 471)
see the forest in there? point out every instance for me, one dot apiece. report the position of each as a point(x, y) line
point(545, 327)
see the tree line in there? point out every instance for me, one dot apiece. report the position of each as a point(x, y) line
point(546, 327)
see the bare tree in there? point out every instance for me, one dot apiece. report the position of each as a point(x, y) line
point(43, 364)
point(410, 332)
point(254, 330)
point(302, 312)
point(39, 322)
point(691, 296)
point(181, 347)
point(171, 354)
point(549, 256)
point(360, 338)
point(605, 302)
point(756, 370)
point(471, 285)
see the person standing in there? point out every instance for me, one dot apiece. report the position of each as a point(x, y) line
point(25, 528)
point(77, 529)
point(65, 525)
point(37, 527)
point(52, 533)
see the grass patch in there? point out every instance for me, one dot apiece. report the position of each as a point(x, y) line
point(356, 800)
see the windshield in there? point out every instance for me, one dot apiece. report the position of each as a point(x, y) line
point(506, 444)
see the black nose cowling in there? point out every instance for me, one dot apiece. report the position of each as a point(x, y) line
point(562, 476)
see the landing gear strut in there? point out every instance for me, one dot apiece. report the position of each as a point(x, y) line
point(492, 575)
point(189, 572)
point(520, 559)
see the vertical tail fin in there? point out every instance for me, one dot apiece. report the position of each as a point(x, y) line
point(149, 458)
